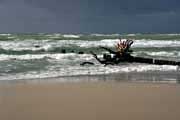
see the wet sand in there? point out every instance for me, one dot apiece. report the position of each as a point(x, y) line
point(90, 101)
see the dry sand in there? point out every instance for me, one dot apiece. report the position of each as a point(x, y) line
point(90, 101)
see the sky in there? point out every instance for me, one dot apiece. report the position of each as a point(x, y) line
point(90, 16)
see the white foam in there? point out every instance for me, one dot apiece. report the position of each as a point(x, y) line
point(137, 43)
point(156, 43)
point(105, 35)
point(145, 68)
point(131, 34)
point(162, 53)
point(19, 45)
point(11, 37)
point(71, 36)
point(59, 56)
point(136, 68)
point(171, 34)
point(105, 42)
point(55, 35)
point(75, 69)
point(5, 34)
point(159, 53)
point(28, 56)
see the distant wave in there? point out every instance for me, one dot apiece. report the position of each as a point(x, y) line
point(58, 36)
point(75, 46)
point(71, 36)
point(103, 35)
point(156, 43)
point(3, 34)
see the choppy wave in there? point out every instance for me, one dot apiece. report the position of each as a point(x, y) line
point(37, 47)
point(58, 36)
point(29, 56)
point(159, 54)
point(32, 43)
point(71, 36)
point(59, 56)
point(90, 70)
point(156, 43)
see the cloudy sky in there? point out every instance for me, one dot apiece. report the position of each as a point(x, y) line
point(90, 16)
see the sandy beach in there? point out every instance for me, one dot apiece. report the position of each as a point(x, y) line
point(90, 101)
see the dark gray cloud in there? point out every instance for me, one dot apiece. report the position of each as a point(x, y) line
point(90, 16)
point(108, 6)
point(20, 16)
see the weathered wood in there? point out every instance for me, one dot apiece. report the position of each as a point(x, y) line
point(155, 61)
point(126, 57)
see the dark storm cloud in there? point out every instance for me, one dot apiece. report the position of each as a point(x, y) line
point(108, 6)
point(88, 16)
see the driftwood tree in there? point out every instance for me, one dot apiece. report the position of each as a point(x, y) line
point(123, 54)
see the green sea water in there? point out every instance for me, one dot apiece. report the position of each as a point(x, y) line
point(42, 55)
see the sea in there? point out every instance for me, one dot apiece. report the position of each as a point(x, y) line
point(55, 56)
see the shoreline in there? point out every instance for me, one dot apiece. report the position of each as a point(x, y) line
point(116, 78)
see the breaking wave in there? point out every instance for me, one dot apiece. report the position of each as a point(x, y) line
point(29, 56)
